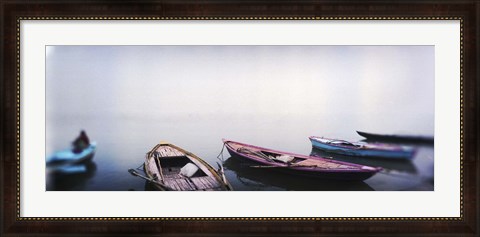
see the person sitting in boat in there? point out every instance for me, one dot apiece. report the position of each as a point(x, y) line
point(81, 142)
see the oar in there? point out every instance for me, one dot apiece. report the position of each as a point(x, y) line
point(135, 173)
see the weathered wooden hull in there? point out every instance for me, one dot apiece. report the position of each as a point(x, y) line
point(314, 167)
point(396, 138)
point(378, 151)
point(165, 165)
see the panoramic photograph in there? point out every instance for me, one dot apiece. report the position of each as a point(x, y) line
point(240, 118)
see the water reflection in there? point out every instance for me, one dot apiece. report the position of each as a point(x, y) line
point(414, 174)
point(73, 178)
point(244, 177)
point(149, 186)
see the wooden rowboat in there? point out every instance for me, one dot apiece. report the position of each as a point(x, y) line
point(396, 138)
point(379, 150)
point(296, 164)
point(174, 169)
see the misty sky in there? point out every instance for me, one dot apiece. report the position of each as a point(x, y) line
point(361, 85)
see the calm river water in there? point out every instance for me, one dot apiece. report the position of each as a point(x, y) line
point(130, 98)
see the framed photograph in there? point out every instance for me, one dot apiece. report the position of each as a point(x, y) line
point(303, 118)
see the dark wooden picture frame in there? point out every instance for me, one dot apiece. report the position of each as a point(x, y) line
point(12, 224)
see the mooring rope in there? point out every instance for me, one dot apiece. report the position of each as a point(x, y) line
point(138, 168)
point(221, 154)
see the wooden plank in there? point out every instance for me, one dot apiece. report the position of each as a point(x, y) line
point(184, 185)
point(179, 153)
point(179, 186)
point(171, 183)
point(192, 184)
point(160, 152)
point(198, 182)
point(165, 151)
point(171, 151)
point(201, 183)
point(205, 181)
point(213, 182)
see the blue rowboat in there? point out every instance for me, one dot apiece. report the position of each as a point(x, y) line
point(379, 150)
point(68, 157)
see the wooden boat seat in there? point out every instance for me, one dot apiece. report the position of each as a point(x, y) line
point(205, 182)
point(180, 183)
point(166, 151)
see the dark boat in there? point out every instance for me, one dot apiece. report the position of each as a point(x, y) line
point(170, 168)
point(396, 138)
point(300, 164)
point(379, 150)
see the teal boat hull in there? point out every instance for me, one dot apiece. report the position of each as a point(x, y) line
point(68, 157)
point(399, 153)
